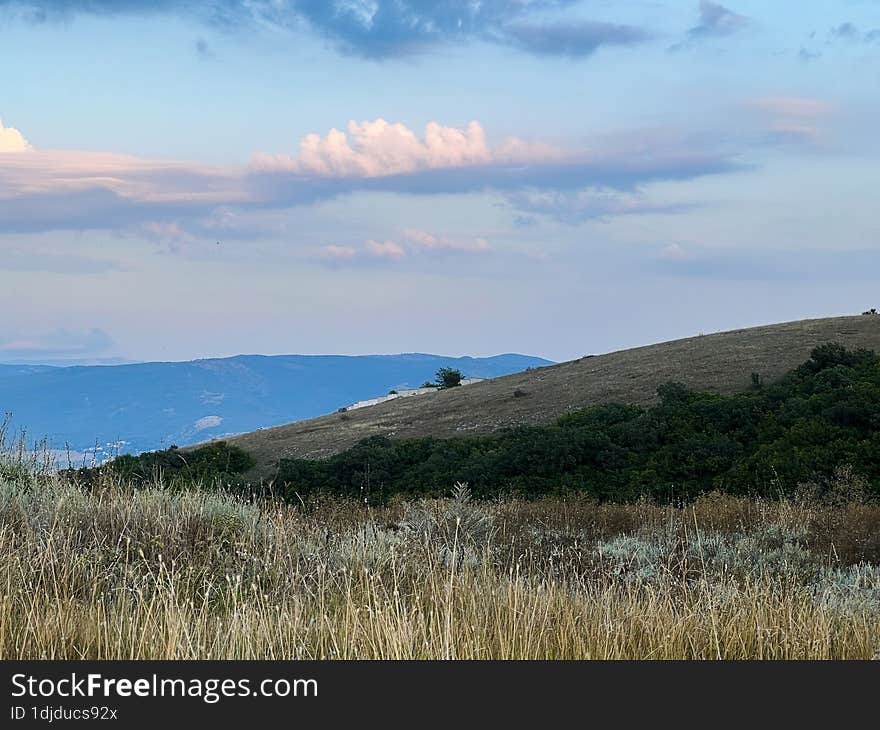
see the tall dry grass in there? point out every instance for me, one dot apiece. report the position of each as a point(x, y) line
point(155, 574)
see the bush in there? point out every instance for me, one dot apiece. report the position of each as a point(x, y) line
point(208, 465)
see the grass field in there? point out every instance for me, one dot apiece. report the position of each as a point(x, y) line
point(160, 574)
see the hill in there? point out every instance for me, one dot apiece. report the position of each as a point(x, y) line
point(8, 371)
point(720, 363)
point(145, 406)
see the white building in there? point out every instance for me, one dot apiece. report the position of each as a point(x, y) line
point(406, 393)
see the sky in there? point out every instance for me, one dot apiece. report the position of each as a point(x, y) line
point(550, 177)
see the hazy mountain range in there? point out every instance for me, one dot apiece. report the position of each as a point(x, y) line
point(145, 406)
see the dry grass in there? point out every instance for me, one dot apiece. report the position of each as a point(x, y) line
point(721, 362)
point(154, 574)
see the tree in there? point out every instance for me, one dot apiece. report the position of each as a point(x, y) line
point(448, 378)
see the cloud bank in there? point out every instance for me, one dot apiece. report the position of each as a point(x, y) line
point(374, 29)
point(42, 190)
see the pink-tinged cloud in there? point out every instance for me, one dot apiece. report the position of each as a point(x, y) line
point(793, 117)
point(428, 241)
point(11, 140)
point(42, 190)
point(793, 106)
point(410, 244)
point(30, 171)
point(385, 249)
point(379, 148)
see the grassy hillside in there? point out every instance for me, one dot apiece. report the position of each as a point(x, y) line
point(719, 363)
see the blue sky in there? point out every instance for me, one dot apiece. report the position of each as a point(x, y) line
point(549, 177)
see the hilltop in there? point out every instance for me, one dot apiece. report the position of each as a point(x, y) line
point(721, 363)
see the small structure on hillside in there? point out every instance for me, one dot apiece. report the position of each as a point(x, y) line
point(405, 393)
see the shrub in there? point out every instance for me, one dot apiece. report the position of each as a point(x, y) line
point(448, 378)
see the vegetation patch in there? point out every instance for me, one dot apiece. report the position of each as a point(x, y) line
point(217, 462)
point(769, 441)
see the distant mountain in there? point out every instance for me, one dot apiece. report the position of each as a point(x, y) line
point(12, 370)
point(145, 406)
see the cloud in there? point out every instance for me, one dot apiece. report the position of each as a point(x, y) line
point(374, 29)
point(386, 249)
point(807, 55)
point(389, 28)
point(57, 344)
point(207, 422)
point(852, 33)
point(412, 242)
point(674, 252)
point(791, 118)
point(390, 158)
point(30, 170)
point(793, 106)
point(170, 200)
point(11, 140)
point(379, 148)
point(44, 190)
point(429, 242)
point(203, 49)
point(575, 207)
point(715, 21)
point(572, 39)
point(338, 252)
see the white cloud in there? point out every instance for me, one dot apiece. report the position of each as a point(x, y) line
point(11, 140)
point(207, 422)
point(379, 148)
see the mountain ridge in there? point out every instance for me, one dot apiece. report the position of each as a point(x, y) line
point(154, 405)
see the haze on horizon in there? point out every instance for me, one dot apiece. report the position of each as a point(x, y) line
point(549, 177)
